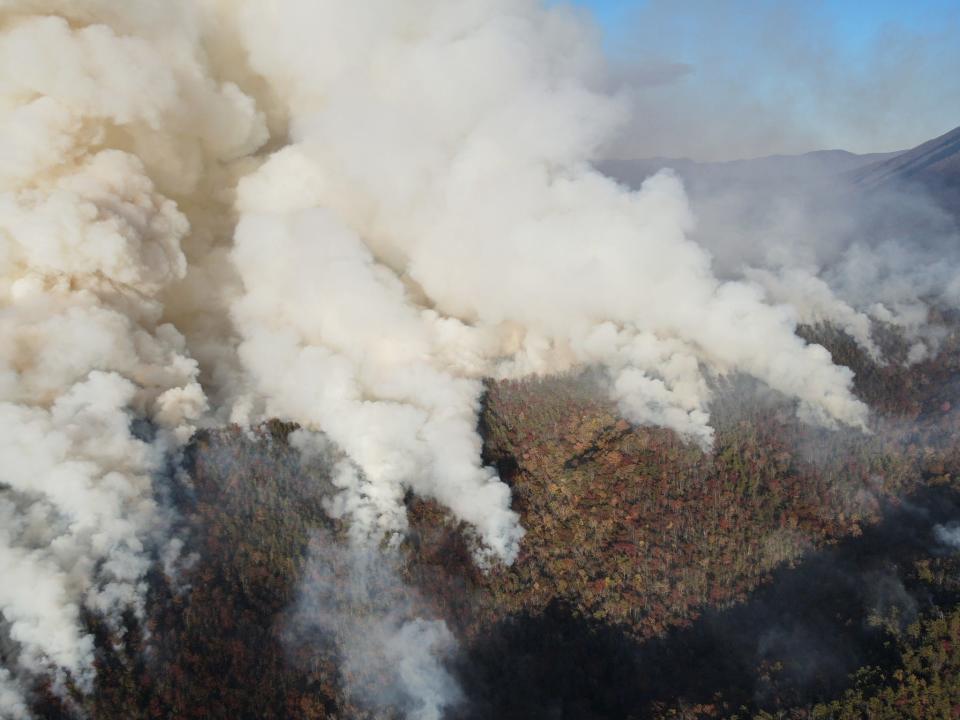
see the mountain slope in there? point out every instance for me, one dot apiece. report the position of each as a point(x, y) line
point(778, 169)
point(934, 165)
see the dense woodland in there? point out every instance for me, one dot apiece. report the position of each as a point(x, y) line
point(790, 573)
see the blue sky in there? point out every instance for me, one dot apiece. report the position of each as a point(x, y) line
point(856, 20)
point(786, 75)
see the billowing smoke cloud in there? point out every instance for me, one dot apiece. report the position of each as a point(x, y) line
point(99, 123)
point(434, 220)
point(344, 214)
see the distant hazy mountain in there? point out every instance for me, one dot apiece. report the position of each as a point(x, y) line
point(934, 166)
point(775, 168)
point(935, 163)
point(931, 169)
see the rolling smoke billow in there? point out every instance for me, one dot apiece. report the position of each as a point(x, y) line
point(341, 214)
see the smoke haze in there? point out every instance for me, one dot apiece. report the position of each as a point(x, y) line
point(342, 214)
point(714, 82)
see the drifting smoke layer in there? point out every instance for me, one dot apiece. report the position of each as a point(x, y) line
point(836, 256)
point(390, 656)
point(426, 217)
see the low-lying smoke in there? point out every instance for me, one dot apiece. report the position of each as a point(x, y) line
point(343, 214)
point(834, 253)
point(390, 656)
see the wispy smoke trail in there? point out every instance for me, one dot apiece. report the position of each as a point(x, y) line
point(344, 214)
point(390, 655)
point(948, 535)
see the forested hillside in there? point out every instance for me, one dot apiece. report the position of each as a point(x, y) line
point(790, 569)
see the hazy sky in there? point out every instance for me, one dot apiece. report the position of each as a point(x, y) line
point(784, 75)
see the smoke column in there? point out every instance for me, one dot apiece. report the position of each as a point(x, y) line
point(343, 214)
point(107, 114)
point(434, 220)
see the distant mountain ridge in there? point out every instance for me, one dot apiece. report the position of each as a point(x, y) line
point(933, 166)
point(777, 168)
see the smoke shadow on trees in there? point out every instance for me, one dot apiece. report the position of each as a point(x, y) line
point(794, 642)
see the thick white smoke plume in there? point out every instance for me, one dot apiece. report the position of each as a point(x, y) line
point(434, 220)
point(105, 113)
point(344, 214)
